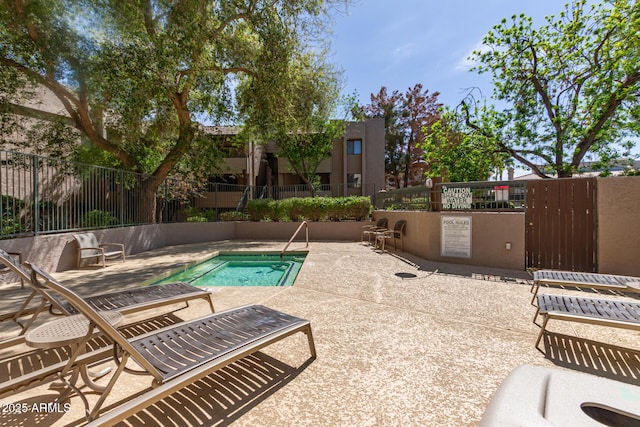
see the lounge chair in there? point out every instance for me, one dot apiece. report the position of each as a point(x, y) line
point(583, 280)
point(4, 269)
point(88, 248)
point(396, 234)
point(176, 356)
point(370, 230)
point(606, 312)
point(126, 301)
point(556, 397)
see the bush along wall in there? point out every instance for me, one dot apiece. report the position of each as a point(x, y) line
point(311, 209)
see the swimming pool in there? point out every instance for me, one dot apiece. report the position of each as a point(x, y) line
point(241, 269)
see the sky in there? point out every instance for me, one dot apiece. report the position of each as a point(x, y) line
point(400, 43)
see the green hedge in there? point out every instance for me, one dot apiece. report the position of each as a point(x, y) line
point(310, 209)
point(233, 216)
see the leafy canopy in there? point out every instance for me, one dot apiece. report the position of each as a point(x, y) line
point(300, 125)
point(407, 117)
point(458, 155)
point(571, 87)
point(134, 77)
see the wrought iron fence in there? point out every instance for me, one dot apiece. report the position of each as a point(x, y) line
point(409, 198)
point(481, 195)
point(220, 197)
point(40, 195)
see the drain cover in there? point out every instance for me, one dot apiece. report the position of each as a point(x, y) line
point(406, 275)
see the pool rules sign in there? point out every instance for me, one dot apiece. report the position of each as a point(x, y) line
point(455, 238)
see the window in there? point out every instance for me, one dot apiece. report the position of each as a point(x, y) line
point(354, 180)
point(354, 146)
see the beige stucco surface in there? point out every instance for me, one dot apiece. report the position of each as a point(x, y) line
point(490, 233)
point(619, 225)
point(426, 351)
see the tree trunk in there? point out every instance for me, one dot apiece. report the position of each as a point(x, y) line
point(310, 186)
point(146, 200)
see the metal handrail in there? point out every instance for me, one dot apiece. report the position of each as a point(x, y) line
point(305, 224)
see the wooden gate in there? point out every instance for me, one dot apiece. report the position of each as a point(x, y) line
point(561, 224)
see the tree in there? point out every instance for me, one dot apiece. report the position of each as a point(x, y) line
point(572, 86)
point(459, 155)
point(134, 77)
point(406, 116)
point(302, 131)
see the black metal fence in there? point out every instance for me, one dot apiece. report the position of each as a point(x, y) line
point(220, 197)
point(41, 195)
point(482, 195)
point(457, 196)
point(409, 198)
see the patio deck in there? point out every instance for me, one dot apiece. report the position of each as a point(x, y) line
point(428, 350)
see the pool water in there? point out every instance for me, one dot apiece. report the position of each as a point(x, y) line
point(239, 269)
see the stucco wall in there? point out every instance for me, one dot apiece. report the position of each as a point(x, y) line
point(328, 231)
point(57, 252)
point(490, 232)
point(618, 201)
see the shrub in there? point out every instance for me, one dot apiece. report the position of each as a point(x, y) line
point(310, 209)
point(97, 219)
point(196, 219)
point(210, 214)
point(10, 222)
point(196, 215)
point(233, 216)
point(261, 209)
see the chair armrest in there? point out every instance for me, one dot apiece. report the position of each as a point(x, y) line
point(91, 249)
point(120, 245)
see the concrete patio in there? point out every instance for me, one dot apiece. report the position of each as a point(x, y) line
point(392, 351)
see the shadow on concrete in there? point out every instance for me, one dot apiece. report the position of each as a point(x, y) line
point(593, 357)
point(33, 411)
point(463, 270)
point(220, 398)
point(22, 362)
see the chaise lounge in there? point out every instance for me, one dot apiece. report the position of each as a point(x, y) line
point(176, 356)
point(606, 312)
point(599, 281)
point(126, 301)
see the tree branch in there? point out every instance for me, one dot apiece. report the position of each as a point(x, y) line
point(505, 148)
point(34, 113)
point(237, 17)
point(609, 110)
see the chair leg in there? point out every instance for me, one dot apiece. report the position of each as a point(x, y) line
point(542, 329)
point(535, 294)
point(536, 316)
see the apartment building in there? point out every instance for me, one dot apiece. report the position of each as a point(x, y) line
point(356, 160)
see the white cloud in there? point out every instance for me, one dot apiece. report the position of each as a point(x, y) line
point(404, 51)
point(466, 62)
